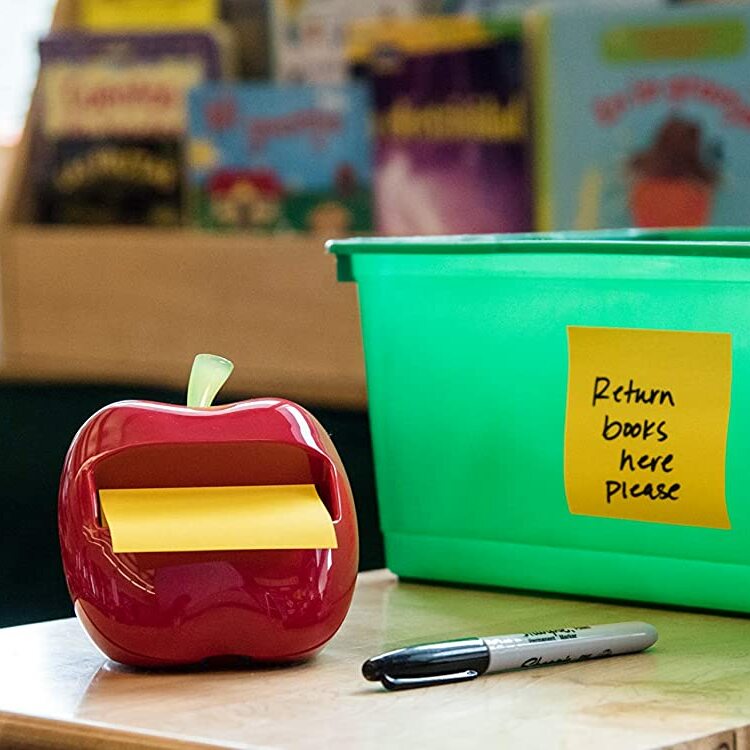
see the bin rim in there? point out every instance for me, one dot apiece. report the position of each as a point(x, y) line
point(729, 242)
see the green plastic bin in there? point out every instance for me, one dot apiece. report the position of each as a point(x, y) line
point(467, 351)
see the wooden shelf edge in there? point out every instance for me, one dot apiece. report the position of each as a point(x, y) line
point(131, 233)
point(134, 305)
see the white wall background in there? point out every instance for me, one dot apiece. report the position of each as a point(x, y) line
point(22, 22)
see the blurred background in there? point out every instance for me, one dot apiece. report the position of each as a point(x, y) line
point(170, 170)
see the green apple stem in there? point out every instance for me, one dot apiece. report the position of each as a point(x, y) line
point(208, 374)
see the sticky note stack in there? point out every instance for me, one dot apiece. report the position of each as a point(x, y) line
point(193, 519)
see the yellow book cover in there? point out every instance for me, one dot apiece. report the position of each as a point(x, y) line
point(103, 15)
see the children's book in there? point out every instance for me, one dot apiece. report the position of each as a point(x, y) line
point(642, 116)
point(267, 157)
point(112, 122)
point(308, 37)
point(452, 141)
point(146, 14)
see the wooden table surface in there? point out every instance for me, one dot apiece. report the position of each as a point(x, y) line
point(56, 690)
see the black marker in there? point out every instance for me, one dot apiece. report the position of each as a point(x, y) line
point(467, 658)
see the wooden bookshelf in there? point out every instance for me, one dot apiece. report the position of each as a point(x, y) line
point(134, 305)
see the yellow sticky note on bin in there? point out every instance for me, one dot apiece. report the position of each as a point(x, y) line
point(646, 425)
point(193, 519)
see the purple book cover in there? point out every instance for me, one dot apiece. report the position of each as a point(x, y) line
point(452, 151)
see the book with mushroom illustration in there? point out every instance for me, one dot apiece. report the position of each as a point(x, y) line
point(672, 181)
point(647, 123)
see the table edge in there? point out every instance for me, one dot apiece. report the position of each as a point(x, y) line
point(23, 731)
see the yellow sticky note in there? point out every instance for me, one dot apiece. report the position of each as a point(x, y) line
point(192, 519)
point(646, 425)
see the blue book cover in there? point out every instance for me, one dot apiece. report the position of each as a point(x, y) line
point(642, 116)
point(272, 157)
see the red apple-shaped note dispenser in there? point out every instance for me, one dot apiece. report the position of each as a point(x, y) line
point(199, 531)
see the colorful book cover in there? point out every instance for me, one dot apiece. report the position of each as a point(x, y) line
point(113, 118)
point(267, 157)
point(308, 37)
point(452, 151)
point(643, 116)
